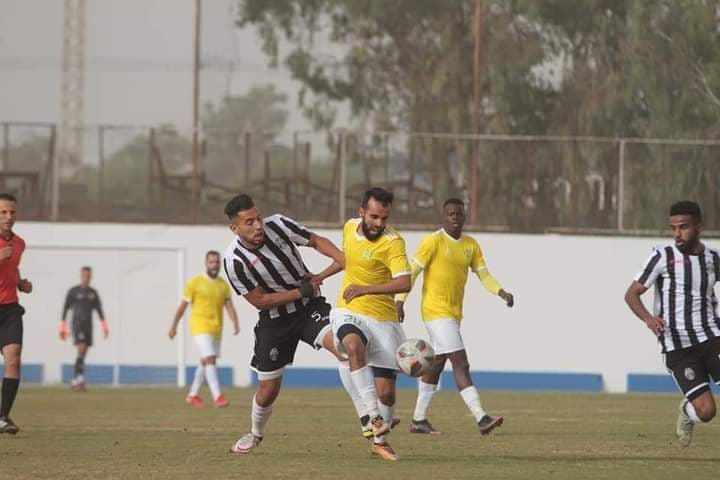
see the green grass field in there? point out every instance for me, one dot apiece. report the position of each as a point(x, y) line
point(151, 433)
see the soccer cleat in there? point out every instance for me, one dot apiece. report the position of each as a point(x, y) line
point(383, 450)
point(684, 427)
point(246, 444)
point(195, 401)
point(487, 424)
point(8, 426)
point(78, 384)
point(423, 426)
point(221, 402)
point(367, 431)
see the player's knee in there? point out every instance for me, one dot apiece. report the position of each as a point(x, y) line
point(266, 395)
point(354, 346)
point(706, 411)
point(12, 363)
point(209, 360)
point(460, 363)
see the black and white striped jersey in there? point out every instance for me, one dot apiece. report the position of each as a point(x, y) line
point(684, 295)
point(276, 266)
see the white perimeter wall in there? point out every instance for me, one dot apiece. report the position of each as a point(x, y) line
point(569, 316)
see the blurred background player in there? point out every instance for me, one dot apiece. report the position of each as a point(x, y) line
point(444, 258)
point(207, 293)
point(685, 318)
point(82, 300)
point(264, 265)
point(365, 320)
point(11, 313)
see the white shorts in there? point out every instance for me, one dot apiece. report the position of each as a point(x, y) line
point(383, 338)
point(445, 335)
point(208, 345)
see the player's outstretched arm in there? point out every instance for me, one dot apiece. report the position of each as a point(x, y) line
point(493, 286)
point(327, 248)
point(331, 270)
point(263, 300)
point(232, 313)
point(178, 315)
point(399, 284)
point(400, 298)
point(632, 298)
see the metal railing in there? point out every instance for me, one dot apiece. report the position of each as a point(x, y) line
point(510, 183)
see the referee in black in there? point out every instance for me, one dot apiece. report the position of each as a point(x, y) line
point(264, 265)
point(82, 300)
point(685, 318)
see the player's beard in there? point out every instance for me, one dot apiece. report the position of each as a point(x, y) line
point(369, 234)
point(687, 246)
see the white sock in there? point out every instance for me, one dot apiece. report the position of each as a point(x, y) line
point(425, 395)
point(347, 381)
point(198, 380)
point(260, 416)
point(212, 380)
point(690, 411)
point(472, 400)
point(365, 386)
point(388, 413)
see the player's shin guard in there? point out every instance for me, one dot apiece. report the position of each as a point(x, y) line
point(212, 380)
point(10, 388)
point(79, 366)
point(260, 416)
point(198, 380)
point(365, 385)
point(347, 381)
point(425, 395)
point(472, 400)
point(388, 413)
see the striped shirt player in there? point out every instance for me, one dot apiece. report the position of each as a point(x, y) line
point(685, 314)
point(264, 265)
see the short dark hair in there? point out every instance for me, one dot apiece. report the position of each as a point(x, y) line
point(214, 253)
point(687, 207)
point(86, 269)
point(379, 194)
point(453, 201)
point(8, 196)
point(238, 204)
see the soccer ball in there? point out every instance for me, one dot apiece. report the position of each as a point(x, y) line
point(414, 357)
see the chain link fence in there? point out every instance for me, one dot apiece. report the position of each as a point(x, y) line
point(510, 183)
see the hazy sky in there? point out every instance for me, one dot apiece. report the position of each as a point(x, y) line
point(139, 61)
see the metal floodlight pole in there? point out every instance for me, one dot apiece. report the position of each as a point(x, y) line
point(195, 184)
point(621, 187)
point(342, 188)
point(475, 158)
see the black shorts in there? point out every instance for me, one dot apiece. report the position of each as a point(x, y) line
point(82, 332)
point(11, 324)
point(276, 339)
point(692, 367)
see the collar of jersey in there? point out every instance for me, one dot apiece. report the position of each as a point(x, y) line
point(456, 240)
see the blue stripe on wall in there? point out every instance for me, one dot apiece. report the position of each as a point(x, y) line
point(140, 374)
point(654, 383)
point(29, 372)
point(584, 382)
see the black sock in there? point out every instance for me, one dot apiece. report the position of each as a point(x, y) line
point(9, 392)
point(79, 366)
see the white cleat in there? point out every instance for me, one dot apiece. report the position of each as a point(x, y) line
point(246, 444)
point(684, 427)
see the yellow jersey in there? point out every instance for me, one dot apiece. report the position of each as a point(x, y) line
point(445, 261)
point(207, 297)
point(372, 263)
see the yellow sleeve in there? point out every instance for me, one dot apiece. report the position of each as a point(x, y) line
point(189, 291)
point(426, 251)
point(479, 266)
point(415, 269)
point(396, 259)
